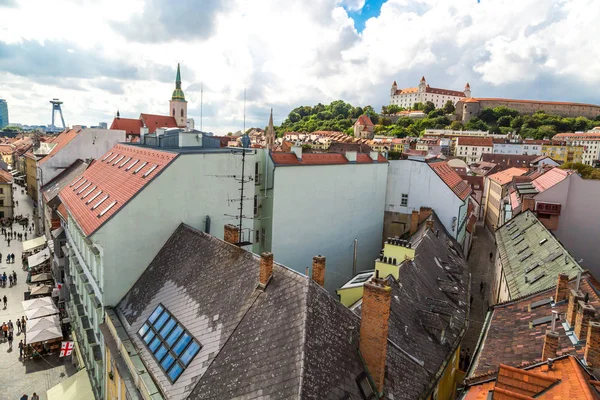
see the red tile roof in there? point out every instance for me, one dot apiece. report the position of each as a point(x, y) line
point(152, 121)
point(474, 141)
point(61, 210)
point(364, 120)
point(114, 174)
point(129, 125)
point(585, 136)
point(5, 176)
point(61, 141)
point(504, 177)
point(550, 178)
point(281, 158)
point(563, 103)
point(7, 149)
point(456, 93)
point(460, 187)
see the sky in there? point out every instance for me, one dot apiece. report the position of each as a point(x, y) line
point(100, 56)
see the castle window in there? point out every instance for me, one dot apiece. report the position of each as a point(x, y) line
point(182, 112)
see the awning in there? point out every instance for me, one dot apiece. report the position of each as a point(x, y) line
point(43, 335)
point(77, 387)
point(42, 290)
point(57, 232)
point(38, 324)
point(41, 312)
point(37, 303)
point(38, 258)
point(41, 278)
point(32, 244)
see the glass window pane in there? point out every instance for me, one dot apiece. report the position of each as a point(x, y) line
point(155, 313)
point(154, 345)
point(161, 321)
point(189, 353)
point(149, 336)
point(182, 343)
point(167, 328)
point(174, 335)
point(175, 371)
point(143, 329)
point(160, 353)
point(167, 362)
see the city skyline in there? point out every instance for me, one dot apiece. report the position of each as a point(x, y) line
point(97, 63)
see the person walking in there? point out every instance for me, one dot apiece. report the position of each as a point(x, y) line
point(23, 324)
point(5, 330)
point(18, 326)
point(21, 348)
point(10, 340)
point(14, 273)
point(5, 300)
point(10, 283)
point(34, 396)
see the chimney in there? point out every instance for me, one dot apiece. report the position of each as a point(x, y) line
point(351, 156)
point(143, 133)
point(429, 224)
point(528, 204)
point(318, 270)
point(376, 303)
point(550, 345)
point(562, 288)
point(585, 313)
point(266, 269)
point(232, 234)
point(424, 213)
point(296, 149)
point(592, 345)
point(414, 222)
point(574, 298)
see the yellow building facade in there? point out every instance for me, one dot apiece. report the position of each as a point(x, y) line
point(6, 196)
point(31, 175)
point(564, 153)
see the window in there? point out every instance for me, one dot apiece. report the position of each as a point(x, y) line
point(404, 201)
point(182, 112)
point(1, 202)
point(1, 190)
point(173, 112)
point(171, 345)
point(255, 205)
point(364, 386)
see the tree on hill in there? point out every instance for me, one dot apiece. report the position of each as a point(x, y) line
point(449, 107)
point(586, 171)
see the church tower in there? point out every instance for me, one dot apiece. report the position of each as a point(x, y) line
point(178, 105)
point(270, 134)
point(467, 90)
point(422, 85)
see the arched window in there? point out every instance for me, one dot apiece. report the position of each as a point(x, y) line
point(182, 112)
point(173, 111)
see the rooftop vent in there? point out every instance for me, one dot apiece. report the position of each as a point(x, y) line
point(140, 167)
point(80, 185)
point(112, 158)
point(118, 160)
point(75, 182)
point(107, 208)
point(544, 240)
point(526, 256)
point(93, 197)
point(106, 156)
point(537, 278)
point(88, 193)
point(85, 187)
point(124, 162)
point(149, 171)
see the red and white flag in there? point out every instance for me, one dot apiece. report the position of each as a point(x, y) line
point(66, 348)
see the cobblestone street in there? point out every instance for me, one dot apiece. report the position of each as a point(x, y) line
point(16, 376)
point(481, 271)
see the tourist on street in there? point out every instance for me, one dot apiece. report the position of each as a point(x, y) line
point(10, 340)
point(21, 348)
point(10, 281)
point(5, 330)
point(14, 273)
point(12, 256)
point(18, 326)
point(5, 300)
point(23, 324)
point(8, 242)
point(24, 397)
point(25, 235)
point(35, 396)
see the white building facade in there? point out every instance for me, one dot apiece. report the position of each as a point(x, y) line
point(471, 149)
point(590, 142)
point(523, 148)
point(423, 93)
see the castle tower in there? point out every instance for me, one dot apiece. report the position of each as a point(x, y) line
point(467, 90)
point(422, 85)
point(394, 89)
point(177, 104)
point(270, 134)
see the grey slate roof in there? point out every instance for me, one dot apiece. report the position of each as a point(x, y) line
point(531, 256)
point(430, 296)
point(292, 340)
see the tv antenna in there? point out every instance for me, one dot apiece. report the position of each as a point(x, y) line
point(201, 99)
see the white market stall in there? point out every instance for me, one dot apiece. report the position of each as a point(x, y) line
point(39, 258)
point(37, 303)
point(34, 244)
point(38, 324)
point(41, 311)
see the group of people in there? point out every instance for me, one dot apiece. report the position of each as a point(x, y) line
point(12, 278)
point(10, 258)
point(7, 330)
point(34, 396)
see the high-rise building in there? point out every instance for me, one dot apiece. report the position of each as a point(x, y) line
point(3, 113)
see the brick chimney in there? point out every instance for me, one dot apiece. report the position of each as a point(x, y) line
point(585, 313)
point(414, 222)
point(232, 234)
point(318, 270)
point(550, 345)
point(376, 302)
point(574, 298)
point(592, 345)
point(266, 269)
point(562, 288)
point(528, 204)
point(424, 213)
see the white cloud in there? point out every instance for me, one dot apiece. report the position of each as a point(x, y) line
point(297, 52)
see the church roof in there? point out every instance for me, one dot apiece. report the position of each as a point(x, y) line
point(153, 121)
point(129, 125)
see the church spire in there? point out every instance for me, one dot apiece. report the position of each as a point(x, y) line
point(178, 93)
point(178, 79)
point(270, 135)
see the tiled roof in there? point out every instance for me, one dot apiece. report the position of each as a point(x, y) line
point(7, 149)
point(153, 122)
point(61, 210)
point(531, 256)
point(460, 187)
point(129, 125)
point(565, 379)
point(506, 176)
point(337, 147)
point(509, 160)
point(51, 189)
point(29, 154)
point(585, 136)
point(293, 340)
point(281, 158)
point(456, 93)
point(550, 178)
point(511, 338)
point(61, 140)
point(407, 90)
point(5, 176)
point(117, 175)
point(562, 103)
point(474, 141)
point(364, 120)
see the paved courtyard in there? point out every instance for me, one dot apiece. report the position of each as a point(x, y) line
point(19, 377)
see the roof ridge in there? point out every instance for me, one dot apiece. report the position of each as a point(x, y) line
point(527, 372)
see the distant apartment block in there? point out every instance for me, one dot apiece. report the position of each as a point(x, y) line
point(590, 142)
point(3, 113)
point(471, 149)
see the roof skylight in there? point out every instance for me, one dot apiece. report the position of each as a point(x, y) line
point(93, 197)
point(124, 162)
point(76, 180)
point(106, 156)
point(150, 170)
point(171, 345)
point(131, 165)
point(112, 158)
point(85, 187)
point(140, 167)
point(107, 208)
point(80, 185)
point(99, 202)
point(118, 160)
point(88, 193)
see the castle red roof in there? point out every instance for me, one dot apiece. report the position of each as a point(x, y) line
point(110, 182)
point(129, 125)
point(153, 122)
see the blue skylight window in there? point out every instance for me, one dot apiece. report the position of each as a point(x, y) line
point(171, 345)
